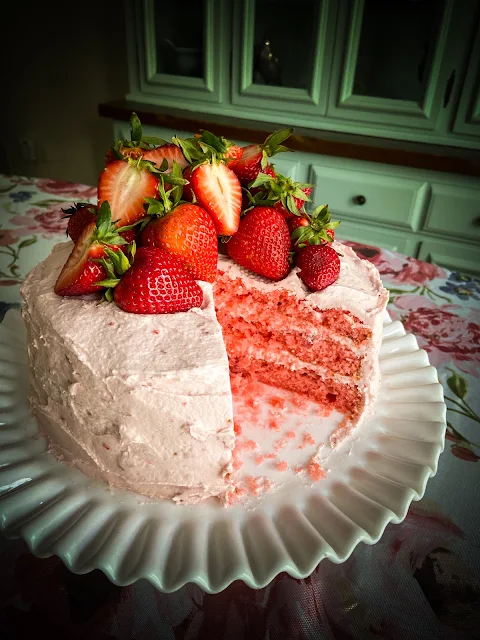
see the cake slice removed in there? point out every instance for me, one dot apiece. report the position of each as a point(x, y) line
point(321, 344)
point(142, 402)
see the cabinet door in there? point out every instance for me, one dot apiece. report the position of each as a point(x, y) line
point(177, 51)
point(391, 64)
point(282, 55)
point(376, 237)
point(467, 120)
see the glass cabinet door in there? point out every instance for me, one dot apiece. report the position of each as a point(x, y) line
point(177, 50)
point(467, 120)
point(391, 64)
point(282, 53)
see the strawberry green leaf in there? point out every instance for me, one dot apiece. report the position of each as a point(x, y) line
point(121, 263)
point(110, 282)
point(136, 128)
point(274, 139)
point(154, 140)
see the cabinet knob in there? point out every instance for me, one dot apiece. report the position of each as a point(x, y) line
point(359, 200)
point(476, 221)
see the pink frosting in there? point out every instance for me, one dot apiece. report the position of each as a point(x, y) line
point(141, 401)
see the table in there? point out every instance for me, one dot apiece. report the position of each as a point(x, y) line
point(422, 579)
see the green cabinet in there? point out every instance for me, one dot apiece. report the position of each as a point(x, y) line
point(178, 53)
point(276, 65)
point(406, 70)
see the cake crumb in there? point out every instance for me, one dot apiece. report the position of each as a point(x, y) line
point(308, 439)
point(260, 459)
point(248, 445)
point(253, 485)
point(156, 331)
point(316, 472)
point(277, 401)
point(106, 447)
point(281, 465)
point(290, 435)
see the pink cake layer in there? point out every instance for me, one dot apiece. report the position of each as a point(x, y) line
point(275, 340)
point(234, 296)
point(251, 337)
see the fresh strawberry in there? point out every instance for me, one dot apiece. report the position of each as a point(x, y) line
point(205, 146)
point(319, 266)
point(188, 194)
point(129, 235)
point(255, 156)
point(233, 155)
point(283, 193)
point(83, 270)
point(262, 243)
point(79, 215)
point(297, 221)
point(122, 152)
point(169, 153)
point(314, 228)
point(189, 233)
point(157, 282)
point(218, 191)
point(125, 184)
point(298, 203)
point(135, 147)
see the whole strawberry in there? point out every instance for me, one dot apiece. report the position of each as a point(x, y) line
point(255, 156)
point(188, 232)
point(157, 282)
point(312, 228)
point(319, 266)
point(262, 243)
point(79, 215)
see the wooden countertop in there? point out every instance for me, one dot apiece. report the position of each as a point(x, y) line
point(395, 152)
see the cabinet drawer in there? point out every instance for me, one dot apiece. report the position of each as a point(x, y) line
point(454, 210)
point(400, 241)
point(451, 255)
point(370, 196)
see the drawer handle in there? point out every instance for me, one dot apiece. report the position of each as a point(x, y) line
point(359, 200)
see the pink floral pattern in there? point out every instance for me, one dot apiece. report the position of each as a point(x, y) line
point(396, 268)
point(36, 220)
point(448, 337)
point(61, 188)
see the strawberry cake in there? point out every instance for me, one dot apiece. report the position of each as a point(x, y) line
point(136, 324)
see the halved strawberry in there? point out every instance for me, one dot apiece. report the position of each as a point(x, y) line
point(81, 272)
point(79, 215)
point(85, 266)
point(157, 282)
point(218, 191)
point(125, 184)
point(169, 152)
point(136, 146)
point(255, 156)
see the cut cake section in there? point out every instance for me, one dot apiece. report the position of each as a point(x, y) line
point(321, 344)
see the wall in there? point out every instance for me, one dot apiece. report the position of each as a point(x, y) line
point(57, 65)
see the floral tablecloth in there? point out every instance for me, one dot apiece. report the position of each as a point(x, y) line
point(421, 580)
